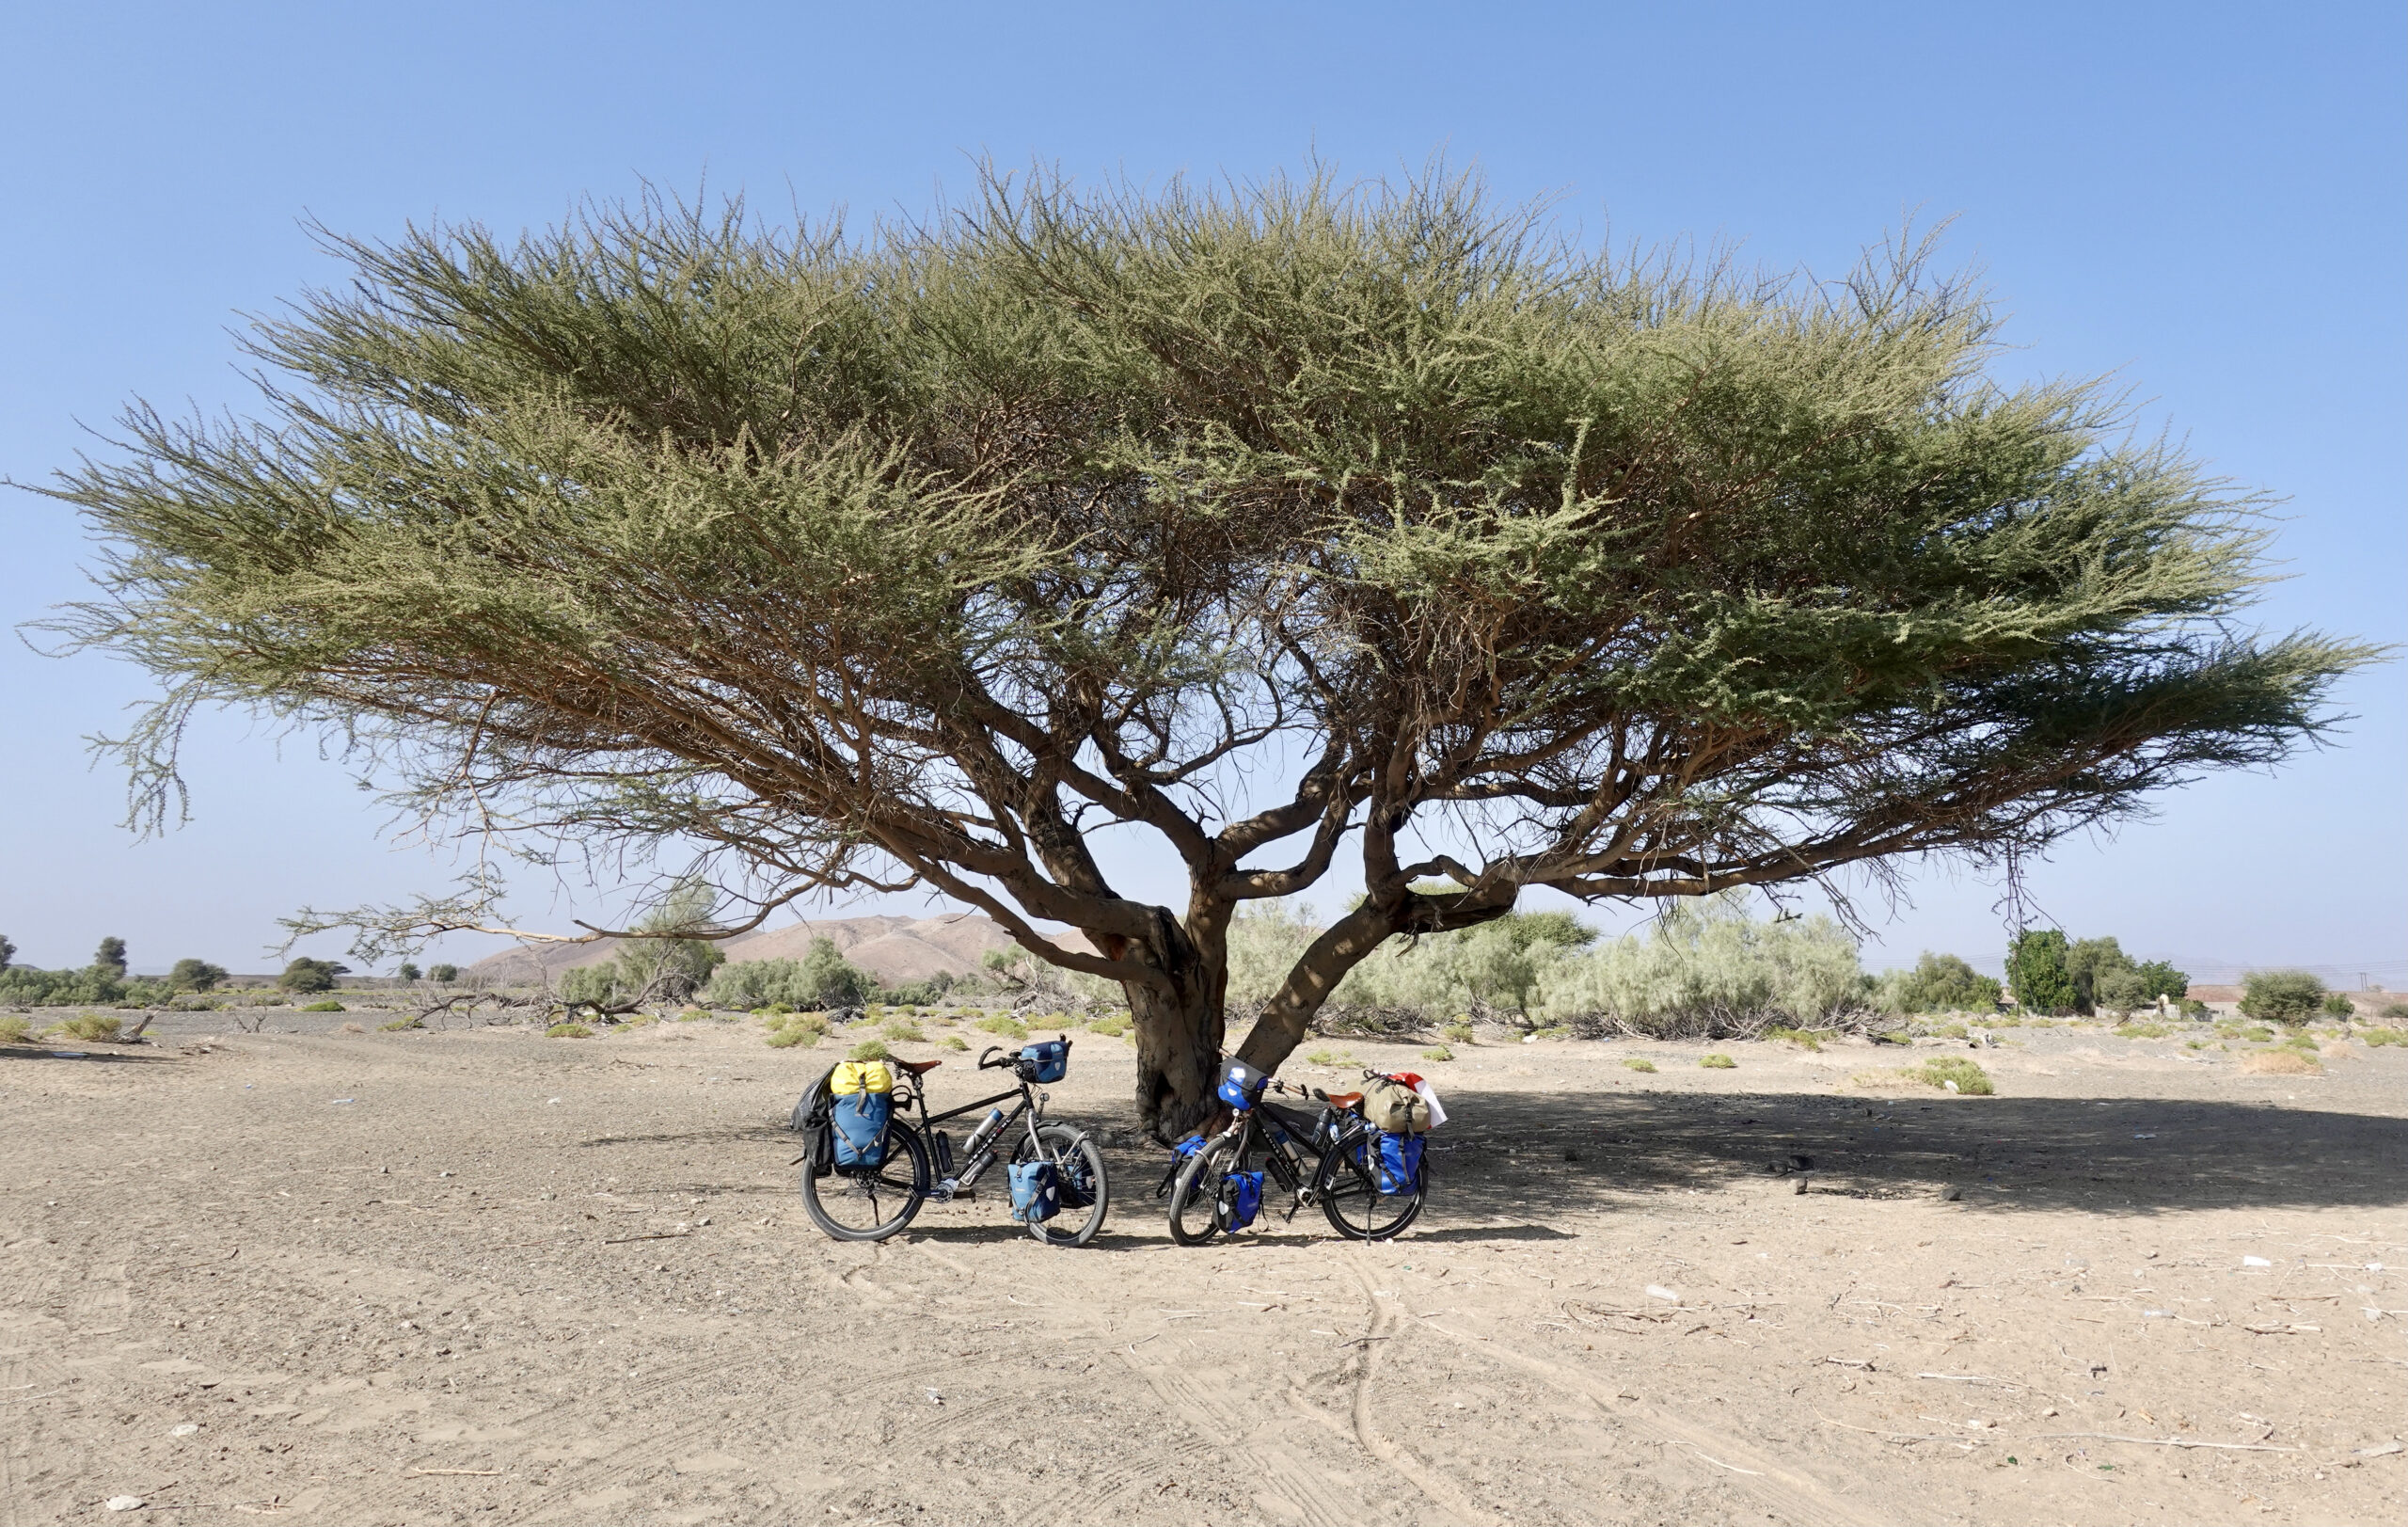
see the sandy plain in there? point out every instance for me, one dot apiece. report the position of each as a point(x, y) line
point(478, 1276)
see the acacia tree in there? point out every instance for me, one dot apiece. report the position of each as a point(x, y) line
point(1273, 522)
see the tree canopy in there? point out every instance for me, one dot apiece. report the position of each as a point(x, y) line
point(1272, 522)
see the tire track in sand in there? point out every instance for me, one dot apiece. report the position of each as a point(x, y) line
point(1428, 1481)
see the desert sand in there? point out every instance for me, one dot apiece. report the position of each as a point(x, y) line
point(479, 1276)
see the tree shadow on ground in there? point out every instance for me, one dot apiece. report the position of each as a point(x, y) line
point(1524, 1156)
point(68, 1056)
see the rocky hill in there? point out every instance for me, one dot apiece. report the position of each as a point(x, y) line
point(891, 949)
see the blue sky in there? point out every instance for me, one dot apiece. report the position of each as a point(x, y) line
point(2205, 202)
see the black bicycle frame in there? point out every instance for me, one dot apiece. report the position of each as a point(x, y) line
point(970, 1167)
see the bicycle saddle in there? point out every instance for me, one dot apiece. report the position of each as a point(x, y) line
point(1345, 1100)
point(920, 1068)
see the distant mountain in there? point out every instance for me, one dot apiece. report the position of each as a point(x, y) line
point(891, 949)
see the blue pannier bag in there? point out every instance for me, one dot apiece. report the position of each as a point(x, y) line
point(1395, 1161)
point(1241, 1084)
point(1036, 1193)
point(859, 1125)
point(1047, 1060)
point(1245, 1198)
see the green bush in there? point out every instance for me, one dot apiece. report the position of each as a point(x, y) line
point(1111, 1026)
point(953, 1041)
point(196, 976)
point(307, 974)
point(1010, 1028)
point(1639, 1062)
point(2281, 996)
point(443, 975)
point(2373, 1036)
point(870, 1050)
point(568, 1031)
point(823, 978)
point(2394, 1010)
point(1805, 1039)
point(2337, 1005)
point(323, 1007)
point(1437, 1052)
point(14, 1030)
point(1459, 1032)
point(1970, 1078)
point(2036, 971)
point(1938, 983)
point(91, 1028)
point(1717, 1062)
point(397, 1025)
point(789, 1038)
point(903, 1032)
point(406, 972)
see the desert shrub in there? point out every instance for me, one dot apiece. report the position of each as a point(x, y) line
point(91, 1028)
point(397, 1025)
point(443, 975)
point(2257, 1034)
point(1951, 1032)
point(953, 1041)
point(196, 976)
point(568, 1031)
point(14, 1030)
point(1010, 1028)
point(2279, 1062)
point(1437, 1052)
point(1458, 1032)
point(2373, 1036)
point(110, 957)
point(406, 972)
point(28, 987)
point(1111, 1025)
point(2337, 1005)
point(1706, 969)
point(323, 1007)
point(1329, 1057)
point(307, 974)
point(1805, 1039)
point(1971, 1079)
point(903, 1032)
point(921, 993)
point(2142, 1031)
point(2036, 971)
point(1505, 963)
point(1938, 983)
point(2281, 996)
point(2394, 1010)
point(1717, 1062)
point(1892, 1036)
point(1639, 1062)
point(789, 1038)
point(2194, 1010)
point(870, 1050)
point(823, 978)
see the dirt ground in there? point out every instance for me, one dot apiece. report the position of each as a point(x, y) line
point(479, 1276)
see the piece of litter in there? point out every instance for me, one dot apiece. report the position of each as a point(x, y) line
point(2157, 1314)
point(125, 1502)
point(186, 1429)
point(2145, 1136)
point(81, 1054)
point(548, 1102)
point(2378, 1449)
point(346, 1100)
point(1656, 1290)
point(1951, 1086)
point(2256, 1262)
point(935, 1398)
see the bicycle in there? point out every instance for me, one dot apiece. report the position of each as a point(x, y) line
point(870, 1204)
point(1342, 1181)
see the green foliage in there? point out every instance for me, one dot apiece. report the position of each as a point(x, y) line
point(823, 978)
point(196, 976)
point(1639, 1062)
point(870, 1050)
point(398, 1025)
point(2281, 996)
point(1805, 1039)
point(2337, 1005)
point(1111, 1025)
point(903, 1031)
point(1717, 1062)
point(1330, 1058)
point(323, 1007)
point(2380, 1037)
point(953, 1041)
point(568, 1031)
point(15, 1029)
point(1708, 968)
point(307, 974)
point(406, 972)
point(663, 528)
point(659, 968)
point(8, 952)
point(1938, 983)
point(443, 975)
point(2037, 975)
point(91, 1028)
point(1437, 1052)
point(1459, 1032)
point(26, 986)
point(1008, 1028)
point(2142, 1031)
point(110, 957)
point(1970, 1078)
point(2394, 1010)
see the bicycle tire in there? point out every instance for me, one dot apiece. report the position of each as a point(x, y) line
point(904, 1151)
point(1078, 1169)
point(1340, 1179)
point(1197, 1192)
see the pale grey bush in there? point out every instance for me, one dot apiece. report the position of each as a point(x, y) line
point(1707, 968)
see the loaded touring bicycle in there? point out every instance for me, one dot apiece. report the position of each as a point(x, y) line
point(867, 1170)
point(1359, 1157)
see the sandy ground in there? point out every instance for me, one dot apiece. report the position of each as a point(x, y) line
point(230, 1295)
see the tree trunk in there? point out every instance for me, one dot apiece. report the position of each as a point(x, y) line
point(1179, 1052)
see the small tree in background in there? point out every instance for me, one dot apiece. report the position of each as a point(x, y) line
point(7, 951)
point(2281, 996)
point(307, 974)
point(109, 958)
point(1942, 983)
point(1376, 520)
point(443, 975)
point(2036, 973)
point(2337, 1005)
point(196, 976)
point(655, 966)
point(405, 972)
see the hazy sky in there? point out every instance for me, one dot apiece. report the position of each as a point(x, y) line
point(2205, 202)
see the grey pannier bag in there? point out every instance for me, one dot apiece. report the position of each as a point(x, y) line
point(1392, 1108)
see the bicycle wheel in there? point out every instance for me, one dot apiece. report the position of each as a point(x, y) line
point(1078, 1169)
point(870, 1205)
point(1197, 1212)
point(1351, 1197)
